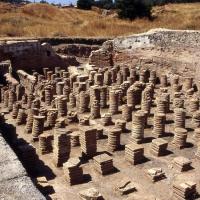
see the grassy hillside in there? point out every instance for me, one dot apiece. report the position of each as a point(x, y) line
point(45, 20)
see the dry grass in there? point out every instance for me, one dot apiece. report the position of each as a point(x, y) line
point(44, 20)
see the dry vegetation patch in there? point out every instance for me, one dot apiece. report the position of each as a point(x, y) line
point(45, 20)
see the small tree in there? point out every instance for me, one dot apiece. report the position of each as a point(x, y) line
point(133, 8)
point(44, 1)
point(84, 4)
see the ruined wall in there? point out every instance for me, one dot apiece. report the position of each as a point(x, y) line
point(14, 181)
point(167, 51)
point(104, 56)
point(26, 80)
point(79, 47)
point(30, 54)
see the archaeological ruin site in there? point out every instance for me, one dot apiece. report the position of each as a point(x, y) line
point(101, 118)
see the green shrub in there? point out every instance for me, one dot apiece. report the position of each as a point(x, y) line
point(132, 9)
point(84, 4)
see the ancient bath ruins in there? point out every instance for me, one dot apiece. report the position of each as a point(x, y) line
point(116, 121)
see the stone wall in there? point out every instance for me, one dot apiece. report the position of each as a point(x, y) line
point(14, 181)
point(31, 55)
point(166, 51)
point(28, 53)
point(104, 56)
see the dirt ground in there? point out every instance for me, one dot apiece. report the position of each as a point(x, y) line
point(106, 184)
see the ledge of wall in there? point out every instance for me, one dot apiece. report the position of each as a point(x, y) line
point(74, 40)
point(61, 40)
point(14, 181)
